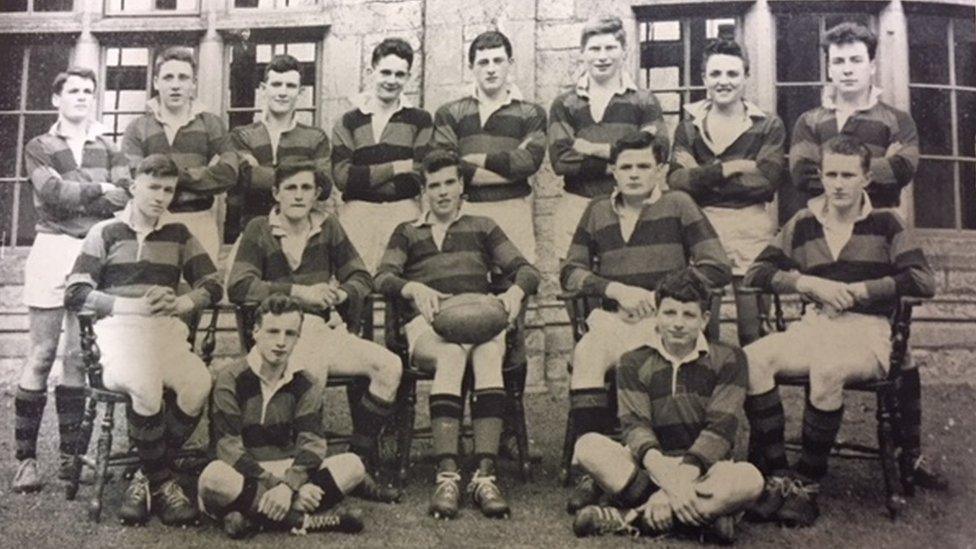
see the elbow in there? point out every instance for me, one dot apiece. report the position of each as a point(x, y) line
point(75, 296)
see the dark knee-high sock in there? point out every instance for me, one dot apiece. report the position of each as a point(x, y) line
point(70, 404)
point(28, 413)
point(487, 409)
point(910, 404)
point(179, 424)
point(332, 494)
point(373, 414)
point(148, 433)
point(767, 422)
point(819, 433)
point(446, 411)
point(590, 410)
point(636, 491)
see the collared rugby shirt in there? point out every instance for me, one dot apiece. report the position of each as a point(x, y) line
point(890, 134)
point(115, 261)
point(68, 197)
point(696, 165)
point(513, 140)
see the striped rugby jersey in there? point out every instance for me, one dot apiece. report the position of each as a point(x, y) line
point(261, 267)
point(193, 146)
point(363, 168)
point(696, 162)
point(630, 110)
point(682, 406)
point(671, 233)
point(298, 143)
point(116, 261)
point(251, 426)
point(889, 134)
point(513, 140)
point(881, 252)
point(473, 245)
point(68, 198)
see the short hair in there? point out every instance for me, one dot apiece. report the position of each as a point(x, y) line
point(685, 285)
point(641, 140)
point(81, 72)
point(604, 25)
point(850, 33)
point(282, 63)
point(176, 53)
point(393, 46)
point(724, 46)
point(847, 145)
point(158, 165)
point(277, 304)
point(489, 40)
point(288, 168)
point(438, 159)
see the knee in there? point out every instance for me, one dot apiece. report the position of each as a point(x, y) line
point(43, 355)
point(195, 393)
point(827, 387)
point(388, 368)
point(217, 480)
point(347, 469)
point(589, 361)
point(590, 450)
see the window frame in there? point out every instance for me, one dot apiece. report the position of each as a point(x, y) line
point(75, 4)
point(152, 12)
point(315, 6)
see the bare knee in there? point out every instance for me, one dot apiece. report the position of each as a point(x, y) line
point(387, 368)
point(590, 363)
point(348, 470)
point(193, 395)
point(827, 387)
point(219, 483)
point(590, 450)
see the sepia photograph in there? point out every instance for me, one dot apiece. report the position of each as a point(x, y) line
point(517, 273)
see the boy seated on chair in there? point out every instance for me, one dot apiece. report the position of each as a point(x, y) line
point(447, 252)
point(271, 468)
point(679, 398)
point(304, 252)
point(637, 235)
point(852, 261)
point(127, 273)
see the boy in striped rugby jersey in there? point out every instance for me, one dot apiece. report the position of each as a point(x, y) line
point(448, 252)
point(271, 467)
point(624, 245)
point(127, 273)
point(852, 260)
point(679, 398)
point(175, 125)
point(378, 148)
point(304, 252)
point(728, 155)
point(584, 123)
point(78, 178)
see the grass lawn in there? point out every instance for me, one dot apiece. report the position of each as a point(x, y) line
point(851, 499)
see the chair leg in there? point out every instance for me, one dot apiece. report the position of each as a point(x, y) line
point(569, 442)
point(521, 432)
point(405, 420)
point(101, 462)
point(87, 423)
point(894, 500)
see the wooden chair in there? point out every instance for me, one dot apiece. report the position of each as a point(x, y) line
point(897, 482)
point(98, 396)
point(514, 377)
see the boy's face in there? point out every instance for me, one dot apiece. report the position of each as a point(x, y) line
point(849, 67)
point(442, 190)
point(603, 55)
point(679, 322)
point(844, 179)
point(175, 83)
point(76, 100)
point(724, 76)
point(275, 336)
point(281, 91)
point(490, 68)
point(390, 76)
point(296, 195)
point(637, 173)
point(151, 195)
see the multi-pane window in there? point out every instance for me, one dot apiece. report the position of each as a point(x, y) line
point(248, 60)
point(35, 6)
point(942, 76)
point(25, 112)
point(670, 62)
point(151, 7)
point(801, 72)
point(270, 4)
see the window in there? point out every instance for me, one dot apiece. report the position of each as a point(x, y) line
point(247, 62)
point(25, 112)
point(270, 4)
point(151, 7)
point(35, 6)
point(670, 62)
point(942, 86)
point(801, 72)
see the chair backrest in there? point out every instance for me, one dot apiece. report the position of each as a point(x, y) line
point(91, 355)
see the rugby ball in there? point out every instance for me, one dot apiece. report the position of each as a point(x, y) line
point(470, 318)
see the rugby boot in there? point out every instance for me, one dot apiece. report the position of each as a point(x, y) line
point(773, 495)
point(447, 495)
point(136, 502)
point(27, 479)
point(586, 492)
point(172, 505)
point(348, 520)
point(238, 526)
point(722, 530)
point(916, 469)
point(487, 496)
point(370, 489)
point(800, 508)
point(601, 520)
